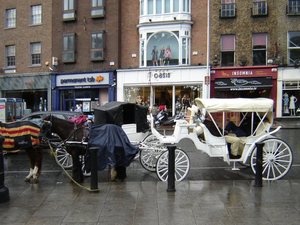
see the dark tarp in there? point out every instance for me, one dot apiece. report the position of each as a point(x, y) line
point(120, 113)
point(114, 146)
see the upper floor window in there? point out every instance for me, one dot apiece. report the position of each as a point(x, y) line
point(35, 51)
point(10, 18)
point(69, 48)
point(293, 7)
point(259, 46)
point(97, 47)
point(10, 55)
point(36, 14)
point(227, 50)
point(97, 8)
point(259, 8)
point(227, 8)
point(293, 47)
point(69, 10)
point(157, 7)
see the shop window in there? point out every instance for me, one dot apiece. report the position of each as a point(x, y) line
point(69, 48)
point(36, 50)
point(138, 95)
point(69, 12)
point(294, 48)
point(10, 18)
point(227, 50)
point(259, 8)
point(97, 47)
point(259, 46)
point(156, 7)
point(293, 7)
point(36, 14)
point(97, 10)
point(162, 49)
point(10, 52)
point(227, 8)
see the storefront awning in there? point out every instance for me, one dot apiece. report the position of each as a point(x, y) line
point(243, 84)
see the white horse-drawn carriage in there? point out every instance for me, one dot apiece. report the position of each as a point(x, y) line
point(256, 113)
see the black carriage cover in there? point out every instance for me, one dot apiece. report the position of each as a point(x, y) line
point(120, 113)
point(114, 146)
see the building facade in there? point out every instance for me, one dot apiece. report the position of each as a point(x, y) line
point(254, 48)
point(164, 52)
point(86, 46)
point(26, 41)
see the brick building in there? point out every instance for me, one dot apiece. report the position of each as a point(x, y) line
point(249, 49)
point(26, 42)
point(86, 42)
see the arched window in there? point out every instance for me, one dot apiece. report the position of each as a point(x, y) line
point(163, 49)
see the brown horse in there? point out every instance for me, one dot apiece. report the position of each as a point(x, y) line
point(24, 135)
point(72, 134)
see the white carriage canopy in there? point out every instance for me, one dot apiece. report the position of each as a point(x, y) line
point(261, 106)
point(235, 104)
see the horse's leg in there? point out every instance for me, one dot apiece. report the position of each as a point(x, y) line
point(76, 169)
point(38, 156)
point(31, 157)
point(113, 173)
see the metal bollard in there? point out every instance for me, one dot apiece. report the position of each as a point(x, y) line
point(171, 168)
point(94, 168)
point(259, 162)
point(4, 192)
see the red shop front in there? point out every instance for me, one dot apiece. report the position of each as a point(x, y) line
point(244, 82)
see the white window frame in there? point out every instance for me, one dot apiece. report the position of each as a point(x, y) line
point(183, 7)
point(35, 53)
point(36, 14)
point(292, 48)
point(10, 56)
point(11, 18)
point(228, 8)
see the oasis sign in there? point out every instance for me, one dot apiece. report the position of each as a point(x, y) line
point(82, 79)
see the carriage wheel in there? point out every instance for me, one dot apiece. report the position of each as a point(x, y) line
point(277, 159)
point(151, 149)
point(182, 165)
point(63, 158)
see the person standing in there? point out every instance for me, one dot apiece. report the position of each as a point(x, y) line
point(154, 54)
point(286, 103)
point(168, 55)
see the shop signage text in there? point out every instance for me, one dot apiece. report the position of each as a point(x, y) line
point(82, 79)
point(161, 74)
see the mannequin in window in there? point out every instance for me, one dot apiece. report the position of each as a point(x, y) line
point(292, 107)
point(286, 103)
point(162, 57)
point(154, 54)
point(168, 55)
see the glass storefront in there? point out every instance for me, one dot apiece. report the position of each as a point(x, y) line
point(176, 97)
point(291, 98)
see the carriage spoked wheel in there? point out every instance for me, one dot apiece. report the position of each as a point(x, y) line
point(63, 158)
point(277, 159)
point(182, 165)
point(151, 149)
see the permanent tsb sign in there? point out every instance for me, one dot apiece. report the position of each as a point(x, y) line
point(84, 79)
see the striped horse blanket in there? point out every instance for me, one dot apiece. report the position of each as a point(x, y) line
point(19, 135)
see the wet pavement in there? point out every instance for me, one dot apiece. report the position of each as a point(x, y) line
point(212, 194)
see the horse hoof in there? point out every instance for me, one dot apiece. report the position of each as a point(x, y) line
point(34, 181)
point(27, 179)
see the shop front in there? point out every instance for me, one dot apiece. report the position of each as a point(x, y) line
point(33, 89)
point(244, 82)
point(82, 91)
point(175, 88)
point(288, 96)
